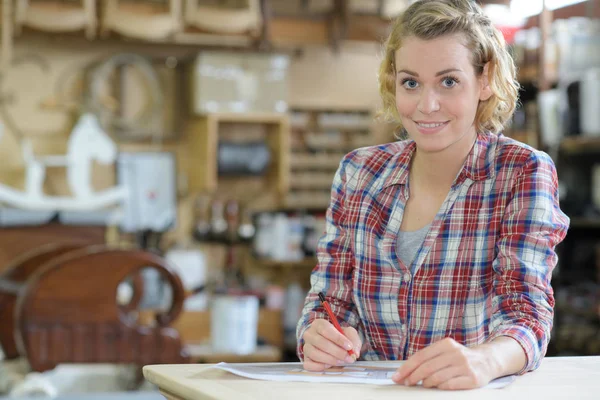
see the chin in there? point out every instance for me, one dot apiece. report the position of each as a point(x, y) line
point(431, 146)
point(430, 143)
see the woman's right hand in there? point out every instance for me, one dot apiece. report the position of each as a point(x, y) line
point(325, 347)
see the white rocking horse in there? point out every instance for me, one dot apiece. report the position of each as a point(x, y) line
point(88, 142)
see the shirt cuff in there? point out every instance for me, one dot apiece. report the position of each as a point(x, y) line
point(526, 339)
point(300, 341)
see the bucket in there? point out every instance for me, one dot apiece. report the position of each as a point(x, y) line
point(234, 324)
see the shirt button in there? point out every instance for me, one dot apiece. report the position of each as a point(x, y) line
point(407, 277)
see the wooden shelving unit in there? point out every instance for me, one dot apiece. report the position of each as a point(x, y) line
point(319, 140)
point(585, 223)
point(308, 262)
point(580, 144)
point(204, 133)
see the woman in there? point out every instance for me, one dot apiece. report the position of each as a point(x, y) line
point(439, 249)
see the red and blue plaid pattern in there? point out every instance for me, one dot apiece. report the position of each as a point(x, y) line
point(483, 271)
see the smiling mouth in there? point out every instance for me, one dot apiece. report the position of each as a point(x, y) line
point(431, 125)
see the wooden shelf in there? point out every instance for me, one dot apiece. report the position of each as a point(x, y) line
point(589, 223)
point(580, 144)
point(308, 201)
point(333, 127)
point(328, 162)
point(286, 33)
point(312, 181)
point(309, 262)
point(194, 326)
point(322, 136)
point(528, 74)
point(204, 134)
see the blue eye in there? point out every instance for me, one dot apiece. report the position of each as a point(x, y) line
point(449, 82)
point(410, 84)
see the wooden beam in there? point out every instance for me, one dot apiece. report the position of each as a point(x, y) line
point(295, 31)
point(287, 31)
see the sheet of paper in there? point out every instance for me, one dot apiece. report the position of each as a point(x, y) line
point(359, 372)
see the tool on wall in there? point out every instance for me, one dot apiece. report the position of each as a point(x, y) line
point(148, 122)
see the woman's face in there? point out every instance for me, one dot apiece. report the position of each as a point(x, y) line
point(437, 92)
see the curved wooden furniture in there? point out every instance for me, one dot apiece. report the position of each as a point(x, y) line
point(57, 16)
point(12, 280)
point(142, 21)
point(224, 20)
point(15, 241)
point(67, 313)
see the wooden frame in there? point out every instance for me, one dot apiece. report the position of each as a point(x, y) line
point(204, 137)
point(221, 20)
point(141, 21)
point(57, 17)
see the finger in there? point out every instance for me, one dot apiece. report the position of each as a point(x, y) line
point(327, 346)
point(352, 334)
point(430, 367)
point(459, 383)
point(314, 366)
point(320, 356)
point(328, 331)
point(324, 344)
point(420, 357)
point(441, 376)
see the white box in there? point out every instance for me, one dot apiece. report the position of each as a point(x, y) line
point(239, 83)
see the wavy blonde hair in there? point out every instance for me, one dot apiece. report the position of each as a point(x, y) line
point(430, 19)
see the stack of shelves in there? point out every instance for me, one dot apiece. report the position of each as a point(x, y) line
point(576, 281)
point(320, 139)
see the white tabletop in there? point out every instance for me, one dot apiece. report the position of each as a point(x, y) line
point(557, 378)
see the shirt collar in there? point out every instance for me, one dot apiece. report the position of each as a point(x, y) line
point(476, 166)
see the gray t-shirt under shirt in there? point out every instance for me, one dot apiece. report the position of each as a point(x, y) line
point(409, 243)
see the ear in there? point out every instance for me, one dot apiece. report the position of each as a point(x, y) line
point(485, 91)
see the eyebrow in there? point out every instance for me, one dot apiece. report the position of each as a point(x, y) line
point(438, 74)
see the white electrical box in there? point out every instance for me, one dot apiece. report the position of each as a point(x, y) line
point(150, 180)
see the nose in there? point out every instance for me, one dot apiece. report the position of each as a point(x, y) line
point(428, 102)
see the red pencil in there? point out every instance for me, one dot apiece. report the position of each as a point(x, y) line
point(334, 321)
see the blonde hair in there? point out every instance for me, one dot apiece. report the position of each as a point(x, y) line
point(430, 19)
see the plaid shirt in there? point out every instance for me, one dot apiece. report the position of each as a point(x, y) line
point(483, 271)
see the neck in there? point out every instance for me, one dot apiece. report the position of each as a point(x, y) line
point(439, 169)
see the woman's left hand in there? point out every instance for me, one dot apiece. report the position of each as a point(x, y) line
point(448, 365)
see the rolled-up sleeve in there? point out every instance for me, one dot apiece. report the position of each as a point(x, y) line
point(532, 226)
point(333, 274)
